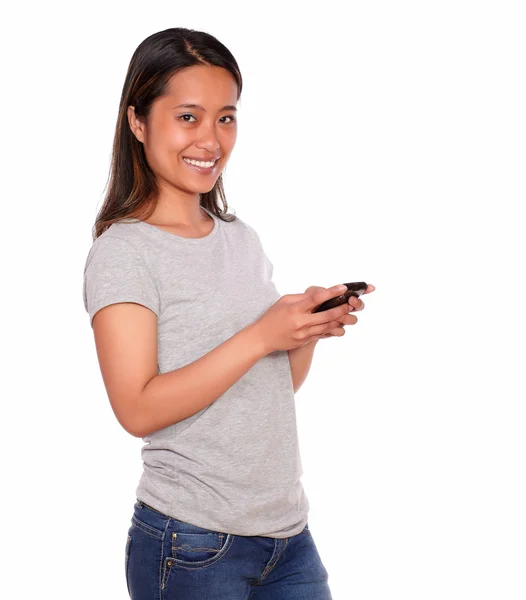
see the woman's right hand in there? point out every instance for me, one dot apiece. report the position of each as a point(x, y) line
point(290, 323)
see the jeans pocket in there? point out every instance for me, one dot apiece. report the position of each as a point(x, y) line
point(194, 550)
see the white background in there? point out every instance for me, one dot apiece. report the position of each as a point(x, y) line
point(378, 141)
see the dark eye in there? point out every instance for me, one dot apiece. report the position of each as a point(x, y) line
point(182, 118)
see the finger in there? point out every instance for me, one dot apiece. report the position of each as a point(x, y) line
point(319, 296)
point(337, 332)
point(313, 287)
point(333, 314)
point(329, 327)
point(348, 319)
point(370, 288)
point(356, 303)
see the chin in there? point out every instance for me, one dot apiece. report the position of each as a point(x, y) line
point(206, 189)
point(195, 190)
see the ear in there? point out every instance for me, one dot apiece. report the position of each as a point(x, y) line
point(136, 125)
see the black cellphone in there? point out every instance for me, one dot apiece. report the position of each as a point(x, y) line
point(356, 288)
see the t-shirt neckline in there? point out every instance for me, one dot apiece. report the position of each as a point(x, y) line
point(179, 238)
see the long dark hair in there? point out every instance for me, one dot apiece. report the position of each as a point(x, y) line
point(133, 191)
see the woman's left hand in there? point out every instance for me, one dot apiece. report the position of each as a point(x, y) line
point(355, 304)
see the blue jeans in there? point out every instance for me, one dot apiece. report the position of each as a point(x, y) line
point(168, 559)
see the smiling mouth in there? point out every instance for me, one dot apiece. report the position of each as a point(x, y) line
point(203, 170)
point(204, 164)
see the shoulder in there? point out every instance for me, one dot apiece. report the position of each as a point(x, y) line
point(119, 241)
point(244, 229)
point(115, 272)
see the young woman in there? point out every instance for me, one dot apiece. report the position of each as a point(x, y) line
point(199, 354)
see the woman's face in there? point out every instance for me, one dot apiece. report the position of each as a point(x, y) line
point(204, 132)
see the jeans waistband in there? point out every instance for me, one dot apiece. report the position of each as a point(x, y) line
point(150, 516)
point(159, 521)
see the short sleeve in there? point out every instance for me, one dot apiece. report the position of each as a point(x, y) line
point(115, 272)
point(268, 262)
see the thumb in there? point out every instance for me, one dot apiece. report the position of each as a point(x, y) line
point(319, 296)
point(289, 298)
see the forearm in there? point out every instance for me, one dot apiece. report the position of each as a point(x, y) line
point(300, 363)
point(171, 397)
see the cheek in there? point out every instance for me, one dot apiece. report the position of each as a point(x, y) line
point(164, 151)
point(177, 139)
point(228, 139)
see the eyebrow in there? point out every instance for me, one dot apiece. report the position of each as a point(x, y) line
point(227, 107)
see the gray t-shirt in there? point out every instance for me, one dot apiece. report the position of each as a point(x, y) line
point(234, 466)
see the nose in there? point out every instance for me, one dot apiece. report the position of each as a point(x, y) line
point(208, 138)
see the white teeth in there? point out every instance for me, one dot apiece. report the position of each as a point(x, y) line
point(200, 163)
